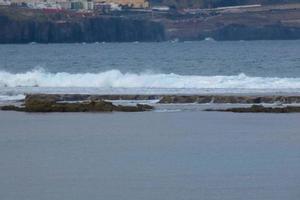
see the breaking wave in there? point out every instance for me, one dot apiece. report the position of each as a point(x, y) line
point(117, 79)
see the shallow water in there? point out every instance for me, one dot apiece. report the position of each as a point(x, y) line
point(172, 155)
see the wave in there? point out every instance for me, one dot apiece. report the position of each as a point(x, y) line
point(117, 79)
point(8, 97)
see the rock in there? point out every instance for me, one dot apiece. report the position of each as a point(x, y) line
point(93, 106)
point(39, 103)
point(91, 97)
point(204, 99)
point(260, 109)
point(50, 103)
point(228, 99)
point(100, 106)
point(137, 108)
point(42, 97)
point(167, 99)
point(12, 108)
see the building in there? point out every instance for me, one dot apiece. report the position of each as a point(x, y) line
point(88, 4)
point(23, 2)
point(5, 3)
point(104, 5)
point(126, 3)
point(82, 5)
point(161, 8)
point(66, 5)
point(44, 5)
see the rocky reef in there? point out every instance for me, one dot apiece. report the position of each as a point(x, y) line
point(233, 99)
point(174, 99)
point(260, 109)
point(102, 103)
point(44, 103)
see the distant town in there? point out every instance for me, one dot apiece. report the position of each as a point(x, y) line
point(161, 6)
point(104, 6)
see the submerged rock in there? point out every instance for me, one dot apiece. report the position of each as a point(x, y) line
point(260, 109)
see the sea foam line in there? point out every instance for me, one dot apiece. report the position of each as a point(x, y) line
point(117, 79)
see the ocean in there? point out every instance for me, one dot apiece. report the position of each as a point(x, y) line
point(150, 68)
point(188, 155)
point(177, 151)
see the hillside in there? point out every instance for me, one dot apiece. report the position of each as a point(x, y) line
point(215, 3)
point(272, 22)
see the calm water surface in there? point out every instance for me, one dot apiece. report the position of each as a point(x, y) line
point(150, 156)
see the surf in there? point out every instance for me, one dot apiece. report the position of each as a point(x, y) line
point(117, 79)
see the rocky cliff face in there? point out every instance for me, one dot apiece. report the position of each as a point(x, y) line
point(244, 32)
point(96, 29)
point(265, 23)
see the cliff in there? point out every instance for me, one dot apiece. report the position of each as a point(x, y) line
point(81, 29)
point(277, 22)
point(244, 32)
point(280, 22)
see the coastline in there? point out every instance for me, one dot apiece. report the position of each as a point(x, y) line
point(274, 22)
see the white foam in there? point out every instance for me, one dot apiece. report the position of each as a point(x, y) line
point(209, 39)
point(116, 79)
point(4, 98)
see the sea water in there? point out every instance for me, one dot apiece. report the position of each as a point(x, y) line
point(150, 68)
point(149, 156)
point(174, 153)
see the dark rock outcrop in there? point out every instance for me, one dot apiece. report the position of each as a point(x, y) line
point(260, 109)
point(245, 99)
point(12, 108)
point(90, 97)
point(44, 103)
point(171, 99)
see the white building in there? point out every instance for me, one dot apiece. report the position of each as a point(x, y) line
point(44, 5)
point(5, 2)
point(87, 4)
point(161, 8)
point(65, 4)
